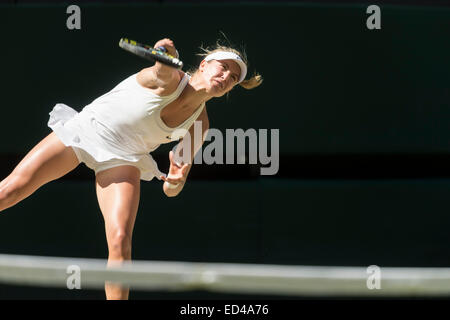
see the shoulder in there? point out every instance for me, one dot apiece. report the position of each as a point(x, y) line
point(161, 83)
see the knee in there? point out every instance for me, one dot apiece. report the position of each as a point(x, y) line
point(9, 193)
point(120, 246)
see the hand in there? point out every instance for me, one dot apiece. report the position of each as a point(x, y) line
point(177, 174)
point(168, 44)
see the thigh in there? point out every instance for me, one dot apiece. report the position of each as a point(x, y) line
point(50, 159)
point(118, 193)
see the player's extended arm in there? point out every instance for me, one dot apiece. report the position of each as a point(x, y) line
point(160, 75)
point(168, 187)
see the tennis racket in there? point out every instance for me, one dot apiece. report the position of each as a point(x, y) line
point(147, 52)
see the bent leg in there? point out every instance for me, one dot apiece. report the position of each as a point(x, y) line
point(118, 193)
point(50, 159)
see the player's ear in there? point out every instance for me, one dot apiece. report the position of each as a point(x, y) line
point(202, 65)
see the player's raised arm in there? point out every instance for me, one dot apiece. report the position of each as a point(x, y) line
point(163, 71)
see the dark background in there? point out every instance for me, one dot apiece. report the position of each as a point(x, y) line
point(363, 119)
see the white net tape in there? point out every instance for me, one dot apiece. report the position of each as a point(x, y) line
point(226, 277)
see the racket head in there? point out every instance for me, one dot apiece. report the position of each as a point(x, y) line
point(149, 53)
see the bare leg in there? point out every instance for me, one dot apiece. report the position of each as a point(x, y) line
point(118, 193)
point(50, 159)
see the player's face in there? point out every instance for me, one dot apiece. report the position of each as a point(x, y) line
point(221, 76)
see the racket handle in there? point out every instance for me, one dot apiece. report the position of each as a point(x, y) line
point(159, 54)
point(163, 49)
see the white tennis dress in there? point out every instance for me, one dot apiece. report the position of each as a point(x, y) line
point(120, 127)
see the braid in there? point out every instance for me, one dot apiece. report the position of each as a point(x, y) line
point(253, 82)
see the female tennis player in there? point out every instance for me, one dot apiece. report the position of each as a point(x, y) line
point(115, 133)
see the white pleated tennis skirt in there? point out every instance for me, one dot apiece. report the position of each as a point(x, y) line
point(97, 147)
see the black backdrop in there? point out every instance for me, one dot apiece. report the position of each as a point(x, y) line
point(363, 119)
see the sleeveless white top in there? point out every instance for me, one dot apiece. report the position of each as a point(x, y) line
point(124, 124)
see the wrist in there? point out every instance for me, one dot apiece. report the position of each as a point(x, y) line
point(171, 192)
point(172, 185)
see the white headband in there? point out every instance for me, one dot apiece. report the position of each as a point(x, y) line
point(224, 55)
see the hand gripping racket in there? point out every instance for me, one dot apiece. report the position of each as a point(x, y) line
point(147, 52)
